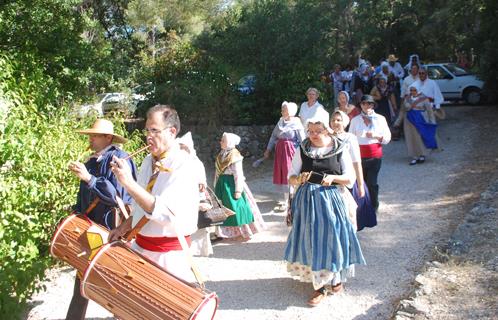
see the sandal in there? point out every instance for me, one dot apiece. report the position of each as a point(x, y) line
point(317, 297)
point(337, 288)
point(413, 162)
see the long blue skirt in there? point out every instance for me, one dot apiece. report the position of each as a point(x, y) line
point(365, 213)
point(426, 130)
point(322, 236)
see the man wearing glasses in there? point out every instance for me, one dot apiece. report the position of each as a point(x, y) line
point(166, 195)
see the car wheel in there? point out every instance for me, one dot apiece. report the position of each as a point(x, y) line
point(472, 96)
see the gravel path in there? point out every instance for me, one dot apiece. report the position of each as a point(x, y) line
point(250, 278)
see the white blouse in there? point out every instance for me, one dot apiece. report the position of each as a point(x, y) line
point(351, 145)
point(316, 111)
point(378, 127)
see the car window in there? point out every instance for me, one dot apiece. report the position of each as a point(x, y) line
point(456, 70)
point(437, 73)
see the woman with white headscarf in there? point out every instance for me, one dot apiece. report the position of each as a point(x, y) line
point(419, 126)
point(362, 83)
point(343, 105)
point(232, 190)
point(286, 136)
point(414, 59)
point(362, 213)
point(201, 242)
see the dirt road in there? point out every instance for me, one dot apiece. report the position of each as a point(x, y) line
point(420, 207)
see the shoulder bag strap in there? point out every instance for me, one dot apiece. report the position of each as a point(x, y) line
point(190, 259)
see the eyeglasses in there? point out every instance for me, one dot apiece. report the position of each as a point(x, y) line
point(315, 132)
point(152, 131)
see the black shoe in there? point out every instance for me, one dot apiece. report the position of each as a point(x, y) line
point(413, 162)
point(217, 239)
point(396, 133)
point(421, 159)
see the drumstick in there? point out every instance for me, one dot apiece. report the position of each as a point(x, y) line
point(113, 163)
point(137, 152)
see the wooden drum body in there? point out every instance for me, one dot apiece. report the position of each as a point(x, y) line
point(132, 287)
point(77, 240)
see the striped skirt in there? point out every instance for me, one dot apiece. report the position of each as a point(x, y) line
point(322, 247)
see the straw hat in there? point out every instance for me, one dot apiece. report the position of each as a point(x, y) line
point(392, 58)
point(102, 126)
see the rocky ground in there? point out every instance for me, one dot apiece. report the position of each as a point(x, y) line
point(432, 256)
point(461, 281)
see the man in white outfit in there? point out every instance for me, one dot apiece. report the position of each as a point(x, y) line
point(165, 195)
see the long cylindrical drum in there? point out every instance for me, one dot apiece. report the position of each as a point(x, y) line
point(132, 287)
point(77, 240)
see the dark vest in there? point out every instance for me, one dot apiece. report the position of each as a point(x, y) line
point(330, 165)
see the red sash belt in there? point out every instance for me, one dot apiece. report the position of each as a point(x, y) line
point(373, 150)
point(160, 244)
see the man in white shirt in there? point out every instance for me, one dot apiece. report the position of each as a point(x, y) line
point(312, 108)
point(429, 88)
point(166, 195)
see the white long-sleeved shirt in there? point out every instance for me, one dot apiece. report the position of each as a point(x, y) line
point(316, 111)
point(430, 88)
point(378, 127)
point(397, 70)
point(175, 192)
point(346, 164)
point(407, 82)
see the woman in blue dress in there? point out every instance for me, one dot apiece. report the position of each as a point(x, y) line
point(322, 247)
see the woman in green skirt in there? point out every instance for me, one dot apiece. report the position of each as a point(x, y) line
point(232, 190)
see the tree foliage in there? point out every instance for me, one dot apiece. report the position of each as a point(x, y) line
point(37, 141)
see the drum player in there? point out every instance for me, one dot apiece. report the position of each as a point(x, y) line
point(165, 195)
point(98, 189)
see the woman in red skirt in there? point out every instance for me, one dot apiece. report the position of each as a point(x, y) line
point(286, 136)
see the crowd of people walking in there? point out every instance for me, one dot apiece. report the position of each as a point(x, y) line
point(326, 167)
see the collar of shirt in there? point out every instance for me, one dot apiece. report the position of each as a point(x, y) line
point(98, 155)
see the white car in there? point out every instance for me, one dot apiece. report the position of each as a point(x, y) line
point(455, 82)
point(88, 110)
point(112, 101)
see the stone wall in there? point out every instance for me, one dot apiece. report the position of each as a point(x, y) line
point(206, 139)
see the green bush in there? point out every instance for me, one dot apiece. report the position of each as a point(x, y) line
point(37, 141)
